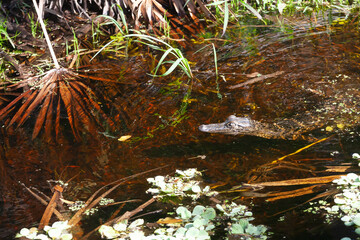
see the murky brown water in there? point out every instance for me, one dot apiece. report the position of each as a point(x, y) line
point(314, 57)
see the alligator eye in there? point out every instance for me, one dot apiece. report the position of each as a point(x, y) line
point(231, 125)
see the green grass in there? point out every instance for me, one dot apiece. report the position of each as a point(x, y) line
point(171, 57)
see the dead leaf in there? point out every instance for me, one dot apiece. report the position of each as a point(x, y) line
point(169, 220)
point(124, 138)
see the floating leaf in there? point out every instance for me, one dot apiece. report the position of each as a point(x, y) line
point(192, 233)
point(237, 229)
point(108, 232)
point(169, 220)
point(198, 210)
point(124, 138)
point(329, 129)
point(136, 223)
point(180, 233)
point(183, 212)
point(121, 226)
point(209, 214)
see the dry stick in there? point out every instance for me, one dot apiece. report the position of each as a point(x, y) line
point(56, 63)
point(294, 193)
point(255, 80)
point(126, 215)
point(91, 202)
point(302, 149)
point(44, 202)
point(321, 195)
point(293, 182)
point(45, 219)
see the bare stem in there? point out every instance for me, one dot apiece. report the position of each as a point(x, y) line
point(39, 14)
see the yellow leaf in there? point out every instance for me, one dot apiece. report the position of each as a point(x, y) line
point(329, 129)
point(169, 220)
point(124, 138)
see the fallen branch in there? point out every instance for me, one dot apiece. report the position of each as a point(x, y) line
point(294, 193)
point(293, 182)
point(45, 219)
point(257, 79)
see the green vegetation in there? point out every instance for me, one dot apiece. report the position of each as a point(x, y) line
point(346, 204)
point(190, 221)
point(36, 31)
point(4, 36)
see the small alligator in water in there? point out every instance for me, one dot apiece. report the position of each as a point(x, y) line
point(289, 129)
point(246, 126)
point(337, 110)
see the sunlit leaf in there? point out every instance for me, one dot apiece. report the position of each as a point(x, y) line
point(226, 18)
point(124, 138)
point(169, 220)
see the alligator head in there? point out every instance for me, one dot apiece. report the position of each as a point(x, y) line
point(243, 126)
point(232, 126)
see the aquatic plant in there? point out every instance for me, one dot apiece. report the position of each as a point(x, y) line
point(346, 204)
point(190, 222)
point(197, 223)
point(183, 184)
point(58, 231)
point(194, 221)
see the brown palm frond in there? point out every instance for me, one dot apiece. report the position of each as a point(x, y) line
point(60, 90)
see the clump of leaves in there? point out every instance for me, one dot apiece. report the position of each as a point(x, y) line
point(195, 222)
point(346, 205)
point(58, 230)
point(198, 223)
point(183, 184)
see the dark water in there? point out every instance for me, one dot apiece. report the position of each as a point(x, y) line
point(320, 65)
